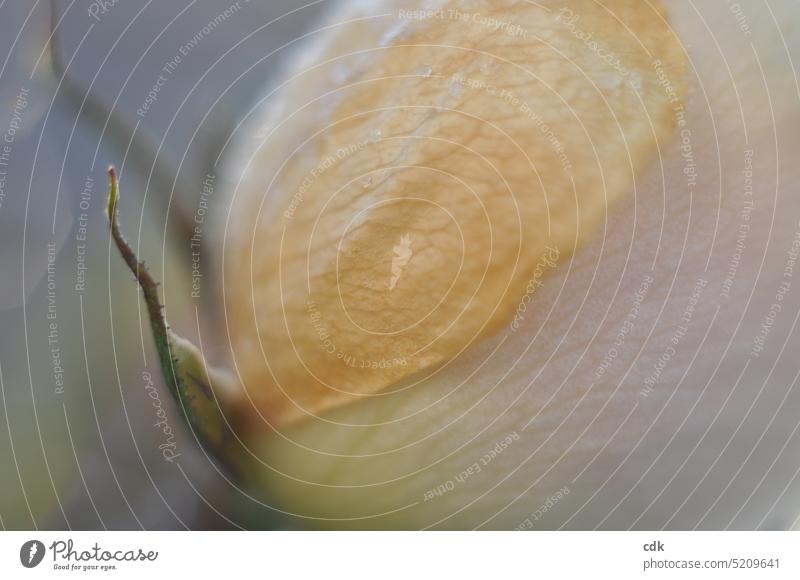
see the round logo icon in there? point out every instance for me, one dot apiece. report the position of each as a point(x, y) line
point(31, 553)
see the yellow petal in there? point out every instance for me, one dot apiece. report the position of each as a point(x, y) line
point(421, 174)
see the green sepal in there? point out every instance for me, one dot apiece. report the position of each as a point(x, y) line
point(184, 369)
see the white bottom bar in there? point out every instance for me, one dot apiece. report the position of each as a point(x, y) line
point(405, 555)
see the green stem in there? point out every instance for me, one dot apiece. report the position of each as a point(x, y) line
point(185, 371)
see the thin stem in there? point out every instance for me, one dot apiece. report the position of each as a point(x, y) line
point(182, 364)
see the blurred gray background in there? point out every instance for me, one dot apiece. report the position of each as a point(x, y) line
point(78, 443)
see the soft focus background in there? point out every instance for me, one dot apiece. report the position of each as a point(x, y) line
point(85, 453)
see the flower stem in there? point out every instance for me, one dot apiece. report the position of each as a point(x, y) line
point(185, 370)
